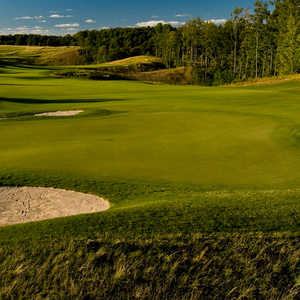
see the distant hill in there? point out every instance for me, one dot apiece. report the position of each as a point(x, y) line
point(51, 56)
point(135, 63)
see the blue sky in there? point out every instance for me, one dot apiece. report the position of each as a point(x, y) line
point(69, 16)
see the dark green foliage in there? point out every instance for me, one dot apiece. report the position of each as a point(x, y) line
point(264, 43)
point(37, 40)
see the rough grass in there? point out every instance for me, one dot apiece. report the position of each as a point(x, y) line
point(255, 266)
point(266, 80)
point(128, 69)
point(143, 59)
point(135, 60)
point(51, 56)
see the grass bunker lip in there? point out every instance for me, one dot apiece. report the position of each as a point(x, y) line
point(30, 204)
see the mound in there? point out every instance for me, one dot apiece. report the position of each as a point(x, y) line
point(51, 56)
point(28, 204)
point(143, 59)
point(180, 75)
point(131, 64)
point(60, 56)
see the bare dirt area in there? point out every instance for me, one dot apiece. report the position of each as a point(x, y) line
point(29, 204)
point(67, 113)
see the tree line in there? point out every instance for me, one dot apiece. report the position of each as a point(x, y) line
point(254, 43)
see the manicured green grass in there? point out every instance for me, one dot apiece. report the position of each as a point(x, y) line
point(153, 150)
point(199, 180)
point(226, 136)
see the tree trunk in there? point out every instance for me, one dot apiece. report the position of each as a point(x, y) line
point(235, 57)
point(256, 57)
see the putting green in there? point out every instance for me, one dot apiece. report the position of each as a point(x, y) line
point(230, 136)
point(153, 150)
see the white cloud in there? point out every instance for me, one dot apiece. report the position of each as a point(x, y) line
point(29, 18)
point(217, 21)
point(21, 28)
point(90, 21)
point(26, 30)
point(24, 18)
point(58, 16)
point(69, 9)
point(182, 15)
point(153, 23)
point(105, 27)
point(67, 25)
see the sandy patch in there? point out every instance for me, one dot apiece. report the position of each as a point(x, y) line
point(66, 113)
point(28, 204)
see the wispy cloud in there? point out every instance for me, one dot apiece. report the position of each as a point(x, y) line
point(182, 15)
point(74, 25)
point(26, 30)
point(69, 9)
point(29, 18)
point(153, 23)
point(58, 16)
point(24, 18)
point(90, 21)
point(217, 21)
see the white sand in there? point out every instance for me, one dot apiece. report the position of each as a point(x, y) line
point(66, 113)
point(28, 204)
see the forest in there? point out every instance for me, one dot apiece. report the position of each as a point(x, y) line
point(253, 43)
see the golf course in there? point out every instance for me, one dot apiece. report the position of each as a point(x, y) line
point(203, 185)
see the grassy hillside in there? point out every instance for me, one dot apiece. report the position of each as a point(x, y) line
point(129, 68)
point(135, 60)
point(180, 75)
point(203, 182)
point(51, 56)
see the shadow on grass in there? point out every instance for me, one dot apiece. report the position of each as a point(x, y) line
point(16, 84)
point(62, 101)
point(32, 115)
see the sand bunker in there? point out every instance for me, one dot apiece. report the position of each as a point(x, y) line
point(28, 204)
point(66, 113)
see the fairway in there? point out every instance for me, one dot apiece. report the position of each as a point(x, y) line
point(168, 158)
point(245, 136)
